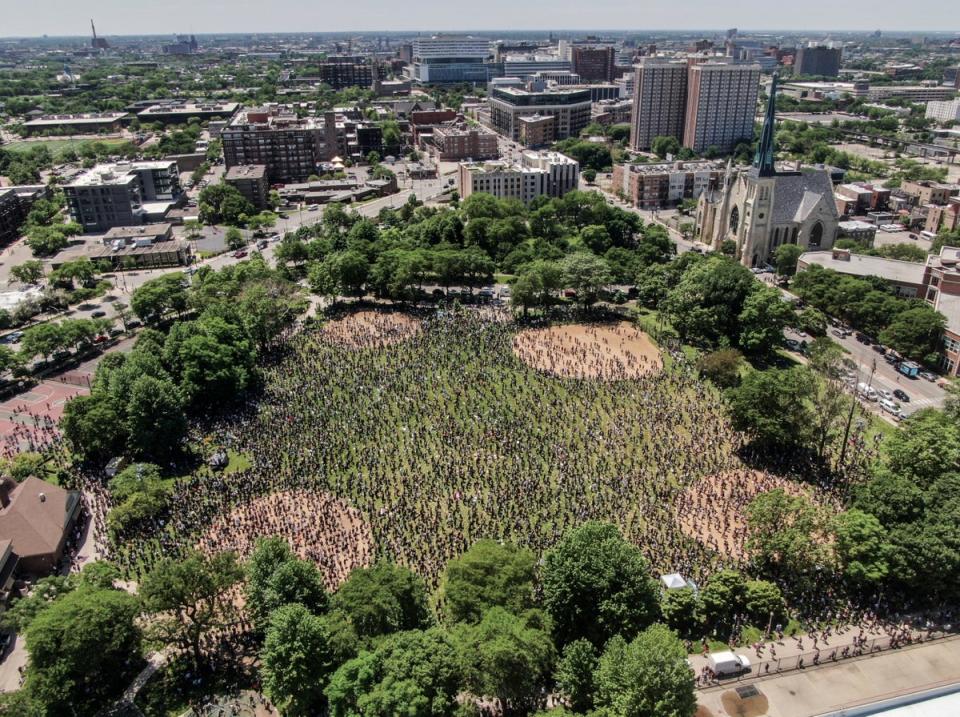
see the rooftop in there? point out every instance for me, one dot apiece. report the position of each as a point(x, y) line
point(667, 167)
point(138, 232)
point(189, 107)
point(118, 173)
point(247, 171)
point(901, 272)
point(75, 118)
point(36, 516)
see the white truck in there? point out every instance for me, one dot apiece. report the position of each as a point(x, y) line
point(727, 663)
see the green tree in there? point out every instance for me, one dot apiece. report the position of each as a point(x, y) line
point(597, 585)
point(82, 648)
point(29, 272)
point(574, 675)
point(783, 532)
point(705, 305)
point(861, 546)
point(722, 367)
point(587, 275)
point(680, 609)
point(297, 660)
point(764, 604)
point(93, 428)
point(506, 657)
point(926, 446)
point(223, 204)
point(764, 317)
point(489, 574)
point(786, 257)
point(383, 599)
point(722, 599)
point(415, 673)
point(662, 146)
point(589, 175)
point(157, 297)
point(155, 423)
point(188, 600)
point(915, 333)
point(648, 677)
point(234, 239)
point(773, 407)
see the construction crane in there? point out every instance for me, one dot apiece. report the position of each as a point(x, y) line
point(98, 43)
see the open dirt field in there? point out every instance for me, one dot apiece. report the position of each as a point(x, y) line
point(605, 351)
point(713, 510)
point(371, 329)
point(317, 526)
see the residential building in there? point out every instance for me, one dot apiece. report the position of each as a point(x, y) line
point(12, 215)
point(856, 199)
point(290, 147)
point(765, 207)
point(612, 112)
point(926, 192)
point(721, 105)
point(819, 60)
point(178, 112)
point(252, 182)
point(450, 59)
point(569, 107)
point(944, 112)
point(942, 291)
point(943, 217)
point(37, 517)
point(659, 101)
point(538, 130)
point(657, 186)
point(123, 194)
point(86, 123)
point(459, 142)
point(594, 63)
point(537, 174)
point(863, 232)
point(424, 123)
point(340, 71)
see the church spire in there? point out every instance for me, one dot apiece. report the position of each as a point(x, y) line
point(763, 161)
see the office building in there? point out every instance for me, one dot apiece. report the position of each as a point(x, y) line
point(12, 215)
point(177, 112)
point(340, 71)
point(657, 186)
point(86, 123)
point(721, 105)
point(944, 112)
point(123, 194)
point(454, 143)
point(525, 67)
point(569, 107)
point(538, 174)
point(289, 147)
point(594, 64)
point(450, 59)
point(537, 130)
point(251, 181)
point(819, 61)
point(762, 208)
point(659, 101)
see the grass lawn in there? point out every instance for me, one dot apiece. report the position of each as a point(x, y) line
point(236, 462)
point(58, 146)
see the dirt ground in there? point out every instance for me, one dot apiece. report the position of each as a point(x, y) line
point(371, 329)
point(317, 526)
point(720, 502)
point(605, 351)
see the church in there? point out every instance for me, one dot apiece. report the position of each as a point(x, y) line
point(761, 208)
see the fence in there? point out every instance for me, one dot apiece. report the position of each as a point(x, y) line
point(826, 655)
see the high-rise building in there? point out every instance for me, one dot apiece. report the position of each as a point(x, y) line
point(721, 105)
point(659, 100)
point(942, 111)
point(450, 59)
point(821, 61)
point(251, 181)
point(340, 71)
point(289, 146)
point(12, 215)
point(569, 106)
point(538, 174)
point(123, 194)
point(594, 63)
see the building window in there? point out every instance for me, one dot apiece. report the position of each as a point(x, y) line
point(735, 220)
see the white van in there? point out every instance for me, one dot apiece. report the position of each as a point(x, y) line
point(868, 392)
point(890, 407)
point(727, 663)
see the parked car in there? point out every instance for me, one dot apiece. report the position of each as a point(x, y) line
point(239, 254)
point(928, 376)
point(879, 349)
point(98, 314)
point(727, 663)
point(868, 392)
point(901, 395)
point(890, 407)
point(863, 338)
point(885, 394)
point(840, 333)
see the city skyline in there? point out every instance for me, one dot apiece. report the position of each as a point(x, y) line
point(247, 16)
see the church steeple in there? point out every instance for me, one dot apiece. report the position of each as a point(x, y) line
point(763, 161)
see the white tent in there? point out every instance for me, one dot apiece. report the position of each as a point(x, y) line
point(673, 581)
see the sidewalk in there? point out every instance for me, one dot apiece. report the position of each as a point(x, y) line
point(819, 690)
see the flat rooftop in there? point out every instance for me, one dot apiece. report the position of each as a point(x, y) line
point(247, 171)
point(187, 108)
point(901, 272)
point(138, 232)
point(671, 167)
point(85, 118)
point(118, 173)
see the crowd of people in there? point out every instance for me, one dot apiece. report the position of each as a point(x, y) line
point(448, 437)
